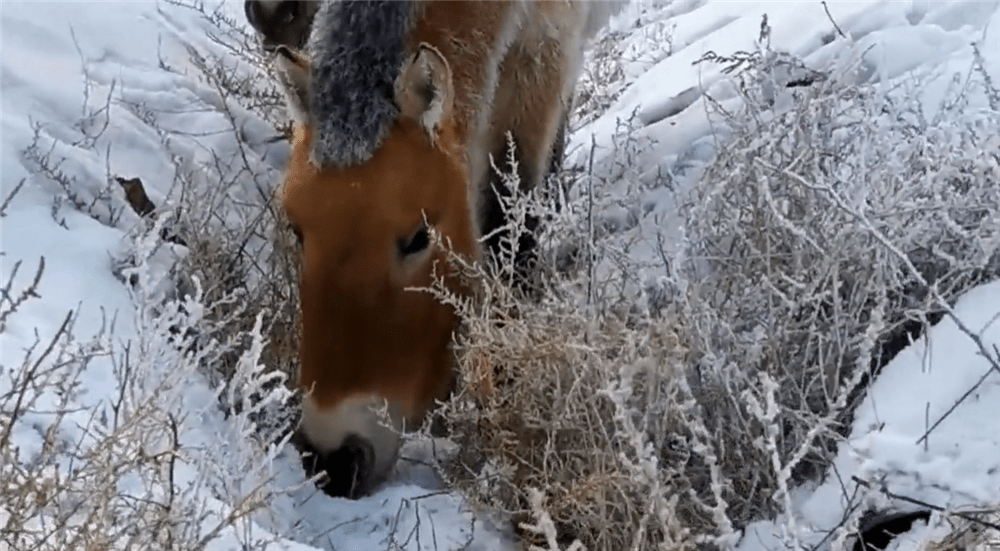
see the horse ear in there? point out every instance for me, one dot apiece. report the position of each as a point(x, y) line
point(293, 71)
point(424, 89)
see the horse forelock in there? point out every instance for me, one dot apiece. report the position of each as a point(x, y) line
point(357, 49)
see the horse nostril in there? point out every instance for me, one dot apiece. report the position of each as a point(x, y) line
point(291, 12)
point(347, 468)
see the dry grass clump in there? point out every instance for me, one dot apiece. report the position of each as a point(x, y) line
point(964, 535)
point(562, 401)
point(574, 416)
point(665, 403)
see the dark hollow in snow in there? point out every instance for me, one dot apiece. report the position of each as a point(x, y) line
point(877, 530)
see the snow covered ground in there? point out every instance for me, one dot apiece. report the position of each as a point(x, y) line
point(93, 90)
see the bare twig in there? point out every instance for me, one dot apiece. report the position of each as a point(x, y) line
point(10, 197)
point(881, 488)
point(28, 376)
point(31, 291)
point(913, 272)
point(830, 17)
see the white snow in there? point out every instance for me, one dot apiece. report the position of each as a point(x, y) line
point(61, 61)
point(960, 464)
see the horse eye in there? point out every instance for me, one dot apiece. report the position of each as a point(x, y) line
point(415, 243)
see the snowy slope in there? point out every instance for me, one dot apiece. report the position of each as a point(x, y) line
point(894, 39)
point(62, 61)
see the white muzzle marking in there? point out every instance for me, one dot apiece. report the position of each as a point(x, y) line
point(327, 429)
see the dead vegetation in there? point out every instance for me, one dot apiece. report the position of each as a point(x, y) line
point(640, 402)
point(666, 403)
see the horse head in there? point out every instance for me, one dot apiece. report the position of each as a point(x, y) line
point(368, 340)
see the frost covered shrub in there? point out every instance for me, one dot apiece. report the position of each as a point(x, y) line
point(837, 216)
point(833, 216)
point(616, 58)
point(211, 272)
point(962, 534)
point(546, 417)
point(569, 401)
point(137, 471)
point(224, 207)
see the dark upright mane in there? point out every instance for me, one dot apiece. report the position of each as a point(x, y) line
point(357, 49)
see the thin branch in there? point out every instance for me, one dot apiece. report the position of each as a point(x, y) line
point(10, 197)
point(902, 257)
point(30, 292)
point(28, 377)
point(915, 501)
point(835, 26)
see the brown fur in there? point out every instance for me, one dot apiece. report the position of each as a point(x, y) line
point(507, 67)
point(361, 331)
